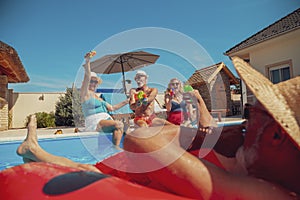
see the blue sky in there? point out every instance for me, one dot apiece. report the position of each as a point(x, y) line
point(52, 36)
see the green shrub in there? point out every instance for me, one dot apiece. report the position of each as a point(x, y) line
point(43, 119)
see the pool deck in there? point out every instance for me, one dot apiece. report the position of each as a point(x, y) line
point(20, 134)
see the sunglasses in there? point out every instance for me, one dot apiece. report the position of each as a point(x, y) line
point(174, 83)
point(93, 82)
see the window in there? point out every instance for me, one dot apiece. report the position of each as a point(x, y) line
point(279, 72)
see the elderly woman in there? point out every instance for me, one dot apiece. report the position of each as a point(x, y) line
point(95, 109)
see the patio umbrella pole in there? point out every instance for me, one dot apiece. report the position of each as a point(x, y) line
point(124, 85)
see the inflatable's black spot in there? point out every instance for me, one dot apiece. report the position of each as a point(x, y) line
point(71, 181)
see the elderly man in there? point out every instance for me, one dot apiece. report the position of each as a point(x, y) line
point(142, 101)
point(266, 165)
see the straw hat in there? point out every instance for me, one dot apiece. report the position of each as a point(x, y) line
point(280, 100)
point(93, 74)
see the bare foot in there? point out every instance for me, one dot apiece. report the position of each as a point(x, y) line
point(118, 148)
point(30, 143)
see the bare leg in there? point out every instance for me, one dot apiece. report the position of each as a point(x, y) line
point(117, 133)
point(30, 150)
point(109, 122)
point(117, 136)
point(178, 165)
point(205, 118)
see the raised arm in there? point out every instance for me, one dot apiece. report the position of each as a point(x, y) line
point(205, 118)
point(84, 90)
point(168, 99)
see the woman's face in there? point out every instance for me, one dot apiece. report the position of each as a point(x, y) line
point(93, 84)
point(175, 84)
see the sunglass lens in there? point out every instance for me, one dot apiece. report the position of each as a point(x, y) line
point(93, 82)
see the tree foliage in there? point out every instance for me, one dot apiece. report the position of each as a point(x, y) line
point(68, 110)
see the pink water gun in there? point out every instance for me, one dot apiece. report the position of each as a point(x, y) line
point(170, 91)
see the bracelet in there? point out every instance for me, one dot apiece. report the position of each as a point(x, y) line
point(206, 129)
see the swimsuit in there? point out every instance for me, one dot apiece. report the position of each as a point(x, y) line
point(93, 106)
point(92, 121)
point(147, 119)
point(177, 113)
point(94, 111)
point(175, 106)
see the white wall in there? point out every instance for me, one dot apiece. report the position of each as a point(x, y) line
point(25, 104)
point(286, 47)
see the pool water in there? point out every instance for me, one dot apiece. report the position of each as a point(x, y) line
point(84, 149)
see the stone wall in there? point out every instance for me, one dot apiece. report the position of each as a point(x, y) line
point(210, 97)
point(3, 103)
point(4, 116)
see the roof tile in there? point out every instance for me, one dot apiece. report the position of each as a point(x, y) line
point(280, 27)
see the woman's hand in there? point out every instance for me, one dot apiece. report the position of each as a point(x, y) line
point(192, 96)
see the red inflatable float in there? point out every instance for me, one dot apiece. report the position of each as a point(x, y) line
point(39, 180)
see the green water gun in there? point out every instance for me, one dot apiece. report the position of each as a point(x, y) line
point(188, 88)
point(141, 98)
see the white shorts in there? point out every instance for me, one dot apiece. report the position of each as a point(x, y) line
point(92, 121)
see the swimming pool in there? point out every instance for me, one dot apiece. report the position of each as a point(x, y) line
point(84, 149)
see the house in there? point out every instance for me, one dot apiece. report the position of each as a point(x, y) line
point(213, 83)
point(273, 51)
point(11, 71)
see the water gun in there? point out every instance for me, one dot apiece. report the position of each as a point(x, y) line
point(170, 91)
point(188, 88)
point(90, 54)
point(141, 98)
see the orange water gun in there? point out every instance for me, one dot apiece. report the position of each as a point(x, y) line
point(141, 98)
point(90, 54)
